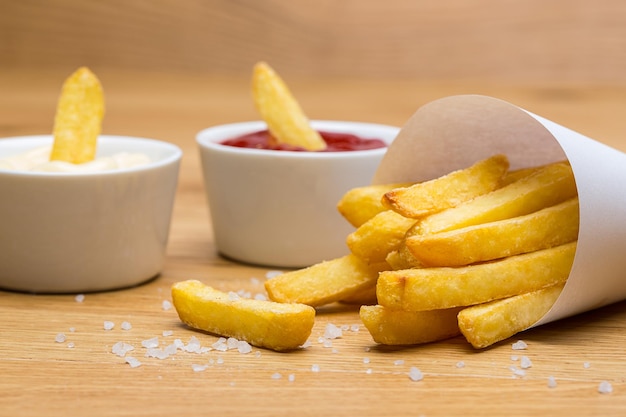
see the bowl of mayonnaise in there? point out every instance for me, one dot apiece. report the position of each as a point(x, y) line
point(95, 226)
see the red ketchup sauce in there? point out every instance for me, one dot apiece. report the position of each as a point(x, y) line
point(335, 142)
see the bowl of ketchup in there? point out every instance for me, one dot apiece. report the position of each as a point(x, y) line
point(276, 205)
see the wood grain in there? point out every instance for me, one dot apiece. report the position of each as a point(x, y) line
point(534, 40)
point(82, 377)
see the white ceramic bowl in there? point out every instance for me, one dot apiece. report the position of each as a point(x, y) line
point(80, 232)
point(278, 208)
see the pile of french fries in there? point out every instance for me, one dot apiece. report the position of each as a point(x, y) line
point(483, 251)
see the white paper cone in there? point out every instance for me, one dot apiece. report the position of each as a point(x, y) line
point(455, 132)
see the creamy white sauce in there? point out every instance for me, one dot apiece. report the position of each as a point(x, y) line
point(38, 160)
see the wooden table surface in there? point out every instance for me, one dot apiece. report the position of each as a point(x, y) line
point(81, 376)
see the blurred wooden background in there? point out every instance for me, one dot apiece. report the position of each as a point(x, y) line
point(545, 41)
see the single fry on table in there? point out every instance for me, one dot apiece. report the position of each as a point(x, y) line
point(276, 326)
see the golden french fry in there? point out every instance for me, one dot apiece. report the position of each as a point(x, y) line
point(275, 326)
point(550, 185)
point(366, 296)
point(323, 283)
point(397, 327)
point(542, 229)
point(402, 258)
point(285, 119)
point(449, 190)
point(382, 234)
point(360, 204)
point(78, 119)
point(485, 324)
point(438, 288)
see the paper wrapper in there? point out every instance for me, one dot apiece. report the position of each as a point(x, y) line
point(455, 132)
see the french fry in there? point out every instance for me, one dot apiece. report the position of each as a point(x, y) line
point(382, 234)
point(281, 112)
point(438, 288)
point(550, 185)
point(485, 324)
point(360, 204)
point(325, 282)
point(402, 258)
point(78, 119)
point(449, 190)
point(542, 229)
point(397, 327)
point(365, 296)
point(267, 324)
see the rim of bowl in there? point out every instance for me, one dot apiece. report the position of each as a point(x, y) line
point(229, 130)
point(173, 153)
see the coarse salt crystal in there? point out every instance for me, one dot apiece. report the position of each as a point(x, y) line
point(260, 297)
point(415, 374)
point(517, 372)
point(133, 362)
point(306, 344)
point(519, 345)
point(126, 325)
point(220, 360)
point(368, 371)
point(59, 338)
point(108, 325)
point(327, 343)
point(332, 332)
point(79, 298)
point(255, 281)
point(199, 368)
point(232, 343)
point(166, 305)
point(355, 328)
point(167, 333)
point(525, 362)
point(71, 345)
point(244, 347)
point(121, 348)
point(586, 365)
point(72, 329)
point(276, 375)
point(551, 382)
point(315, 368)
point(153, 342)
point(605, 387)
point(233, 296)
point(291, 377)
point(366, 360)
point(398, 362)
point(193, 346)
point(157, 353)
point(272, 274)
point(460, 364)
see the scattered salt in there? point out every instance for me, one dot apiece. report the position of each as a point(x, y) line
point(151, 343)
point(276, 375)
point(126, 325)
point(232, 343)
point(398, 362)
point(255, 281)
point(586, 365)
point(327, 343)
point(291, 377)
point(460, 364)
point(525, 362)
point(233, 296)
point(551, 382)
point(332, 332)
point(72, 329)
point(514, 357)
point(166, 305)
point(71, 345)
point(59, 338)
point(355, 328)
point(167, 333)
point(260, 297)
point(220, 360)
point(366, 360)
point(605, 387)
point(368, 371)
point(79, 298)
point(306, 344)
point(133, 362)
point(193, 346)
point(415, 374)
point(517, 372)
point(108, 325)
point(199, 368)
point(519, 345)
point(315, 368)
point(157, 353)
